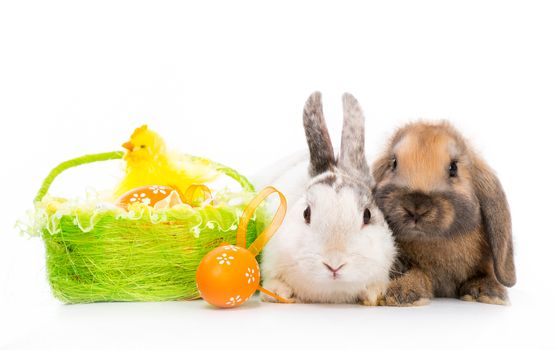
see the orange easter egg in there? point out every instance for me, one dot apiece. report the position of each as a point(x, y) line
point(154, 196)
point(228, 276)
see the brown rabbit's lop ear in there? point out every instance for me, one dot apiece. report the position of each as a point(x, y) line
point(384, 163)
point(318, 139)
point(496, 221)
point(352, 149)
point(381, 166)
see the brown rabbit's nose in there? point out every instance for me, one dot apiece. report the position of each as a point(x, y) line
point(417, 205)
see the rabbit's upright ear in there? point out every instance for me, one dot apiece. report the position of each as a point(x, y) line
point(352, 150)
point(318, 139)
point(497, 221)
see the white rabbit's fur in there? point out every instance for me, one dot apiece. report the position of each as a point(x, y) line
point(294, 260)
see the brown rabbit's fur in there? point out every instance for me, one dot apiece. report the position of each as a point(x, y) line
point(453, 232)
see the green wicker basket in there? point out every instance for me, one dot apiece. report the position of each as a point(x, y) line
point(103, 253)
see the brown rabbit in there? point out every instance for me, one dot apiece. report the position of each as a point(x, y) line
point(449, 216)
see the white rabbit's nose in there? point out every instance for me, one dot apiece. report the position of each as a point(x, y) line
point(334, 270)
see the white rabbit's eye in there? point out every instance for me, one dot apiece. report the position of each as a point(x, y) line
point(366, 216)
point(307, 214)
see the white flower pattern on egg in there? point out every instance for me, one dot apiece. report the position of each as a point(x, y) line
point(234, 300)
point(225, 259)
point(155, 189)
point(250, 274)
point(140, 198)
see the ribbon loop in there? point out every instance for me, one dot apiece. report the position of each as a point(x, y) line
point(263, 238)
point(256, 247)
point(192, 190)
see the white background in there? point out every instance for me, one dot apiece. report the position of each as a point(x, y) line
point(228, 81)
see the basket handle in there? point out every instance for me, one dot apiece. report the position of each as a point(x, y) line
point(91, 158)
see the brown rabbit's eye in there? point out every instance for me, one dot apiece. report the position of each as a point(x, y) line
point(394, 163)
point(307, 214)
point(453, 170)
point(366, 216)
point(143, 146)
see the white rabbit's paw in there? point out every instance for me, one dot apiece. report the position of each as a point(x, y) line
point(372, 295)
point(277, 287)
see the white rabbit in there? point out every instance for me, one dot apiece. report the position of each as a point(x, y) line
point(334, 245)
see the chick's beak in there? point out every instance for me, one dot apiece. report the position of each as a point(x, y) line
point(129, 146)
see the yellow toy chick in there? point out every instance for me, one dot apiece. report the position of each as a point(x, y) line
point(149, 163)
